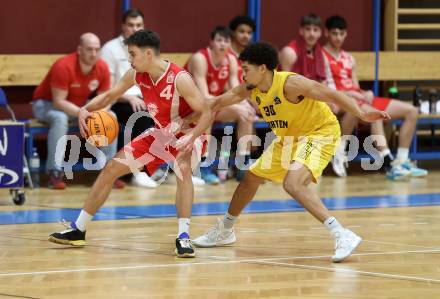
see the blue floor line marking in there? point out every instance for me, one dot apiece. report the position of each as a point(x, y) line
point(218, 208)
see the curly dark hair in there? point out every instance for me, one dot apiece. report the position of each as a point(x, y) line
point(239, 20)
point(336, 22)
point(145, 39)
point(259, 54)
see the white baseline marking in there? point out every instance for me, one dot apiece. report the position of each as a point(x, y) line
point(265, 261)
point(354, 272)
point(139, 237)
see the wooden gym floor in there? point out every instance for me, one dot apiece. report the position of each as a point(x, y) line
point(281, 250)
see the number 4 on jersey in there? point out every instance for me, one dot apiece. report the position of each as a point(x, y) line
point(166, 92)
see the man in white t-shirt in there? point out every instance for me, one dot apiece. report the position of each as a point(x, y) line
point(115, 54)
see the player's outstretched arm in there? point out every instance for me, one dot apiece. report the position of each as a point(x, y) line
point(231, 97)
point(103, 100)
point(187, 88)
point(110, 96)
point(297, 86)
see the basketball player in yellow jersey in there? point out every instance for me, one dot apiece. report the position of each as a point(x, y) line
point(307, 132)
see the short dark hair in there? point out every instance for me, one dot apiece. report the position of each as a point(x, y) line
point(336, 22)
point(259, 54)
point(132, 13)
point(144, 39)
point(222, 31)
point(310, 19)
point(240, 20)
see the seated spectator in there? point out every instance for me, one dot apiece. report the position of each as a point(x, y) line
point(115, 53)
point(70, 82)
point(341, 75)
point(304, 55)
point(213, 67)
point(242, 28)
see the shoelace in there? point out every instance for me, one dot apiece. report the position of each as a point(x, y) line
point(186, 243)
point(341, 242)
point(214, 232)
point(66, 225)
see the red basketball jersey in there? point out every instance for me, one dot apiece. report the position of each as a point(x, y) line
point(339, 72)
point(216, 77)
point(294, 47)
point(239, 68)
point(163, 101)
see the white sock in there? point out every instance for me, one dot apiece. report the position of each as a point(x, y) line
point(341, 148)
point(82, 220)
point(229, 220)
point(385, 153)
point(402, 154)
point(244, 153)
point(183, 226)
point(332, 225)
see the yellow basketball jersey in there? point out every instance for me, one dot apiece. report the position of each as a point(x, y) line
point(286, 118)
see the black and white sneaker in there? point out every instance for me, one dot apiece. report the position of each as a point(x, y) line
point(184, 247)
point(71, 236)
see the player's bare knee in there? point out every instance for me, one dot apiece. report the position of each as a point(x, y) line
point(293, 187)
point(112, 170)
point(250, 179)
point(186, 172)
point(185, 169)
point(412, 114)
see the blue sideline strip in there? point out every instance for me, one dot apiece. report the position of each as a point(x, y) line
point(218, 208)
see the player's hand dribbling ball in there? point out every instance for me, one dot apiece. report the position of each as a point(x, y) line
point(103, 128)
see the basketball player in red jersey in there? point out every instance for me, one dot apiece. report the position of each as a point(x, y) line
point(303, 55)
point(170, 95)
point(213, 69)
point(341, 75)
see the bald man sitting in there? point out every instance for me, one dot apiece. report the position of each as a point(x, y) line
point(70, 82)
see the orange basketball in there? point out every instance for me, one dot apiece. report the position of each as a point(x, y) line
point(103, 128)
